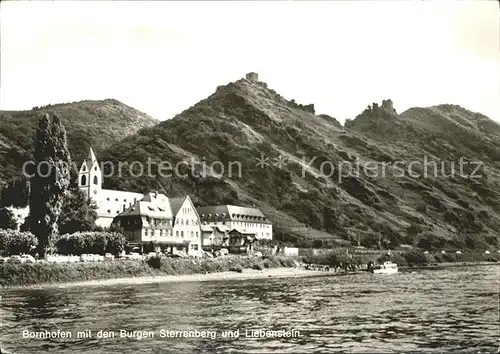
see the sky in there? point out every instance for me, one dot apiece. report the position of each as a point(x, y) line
point(163, 57)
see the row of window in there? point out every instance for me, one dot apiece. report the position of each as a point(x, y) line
point(237, 216)
point(187, 222)
point(250, 224)
point(244, 224)
point(116, 199)
point(158, 222)
point(168, 233)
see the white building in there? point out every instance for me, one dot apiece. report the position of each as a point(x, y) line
point(243, 219)
point(159, 223)
point(186, 223)
point(148, 220)
point(109, 202)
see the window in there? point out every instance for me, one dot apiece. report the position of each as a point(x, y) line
point(196, 234)
point(107, 199)
point(192, 234)
point(182, 222)
point(177, 233)
point(182, 233)
point(116, 199)
point(161, 233)
point(83, 180)
point(146, 232)
point(95, 180)
point(109, 211)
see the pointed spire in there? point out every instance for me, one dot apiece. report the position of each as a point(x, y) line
point(89, 161)
point(92, 157)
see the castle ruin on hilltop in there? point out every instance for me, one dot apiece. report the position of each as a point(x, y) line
point(252, 77)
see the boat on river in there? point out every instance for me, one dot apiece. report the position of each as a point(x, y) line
point(385, 268)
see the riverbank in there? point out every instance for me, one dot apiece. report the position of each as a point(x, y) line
point(413, 258)
point(54, 273)
point(244, 275)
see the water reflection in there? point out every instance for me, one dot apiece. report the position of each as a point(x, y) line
point(446, 310)
point(42, 304)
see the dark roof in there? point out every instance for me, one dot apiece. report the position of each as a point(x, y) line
point(232, 212)
point(175, 204)
point(242, 232)
point(152, 205)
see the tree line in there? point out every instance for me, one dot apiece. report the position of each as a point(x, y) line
point(56, 205)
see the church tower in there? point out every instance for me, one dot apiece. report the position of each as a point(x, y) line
point(90, 176)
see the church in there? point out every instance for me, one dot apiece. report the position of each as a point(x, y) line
point(109, 202)
point(161, 221)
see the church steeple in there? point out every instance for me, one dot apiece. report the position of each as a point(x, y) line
point(90, 175)
point(91, 158)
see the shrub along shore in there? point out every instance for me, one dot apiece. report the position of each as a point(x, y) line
point(403, 259)
point(12, 274)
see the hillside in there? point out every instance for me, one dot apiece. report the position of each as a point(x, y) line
point(88, 123)
point(245, 120)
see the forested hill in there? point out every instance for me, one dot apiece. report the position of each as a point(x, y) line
point(286, 151)
point(88, 123)
point(244, 121)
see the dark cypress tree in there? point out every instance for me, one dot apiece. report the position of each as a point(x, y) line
point(50, 179)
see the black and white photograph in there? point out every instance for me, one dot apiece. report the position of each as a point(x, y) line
point(249, 176)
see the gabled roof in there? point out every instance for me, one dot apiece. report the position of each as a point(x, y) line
point(176, 204)
point(222, 228)
point(152, 204)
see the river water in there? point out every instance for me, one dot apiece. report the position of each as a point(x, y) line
point(451, 309)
